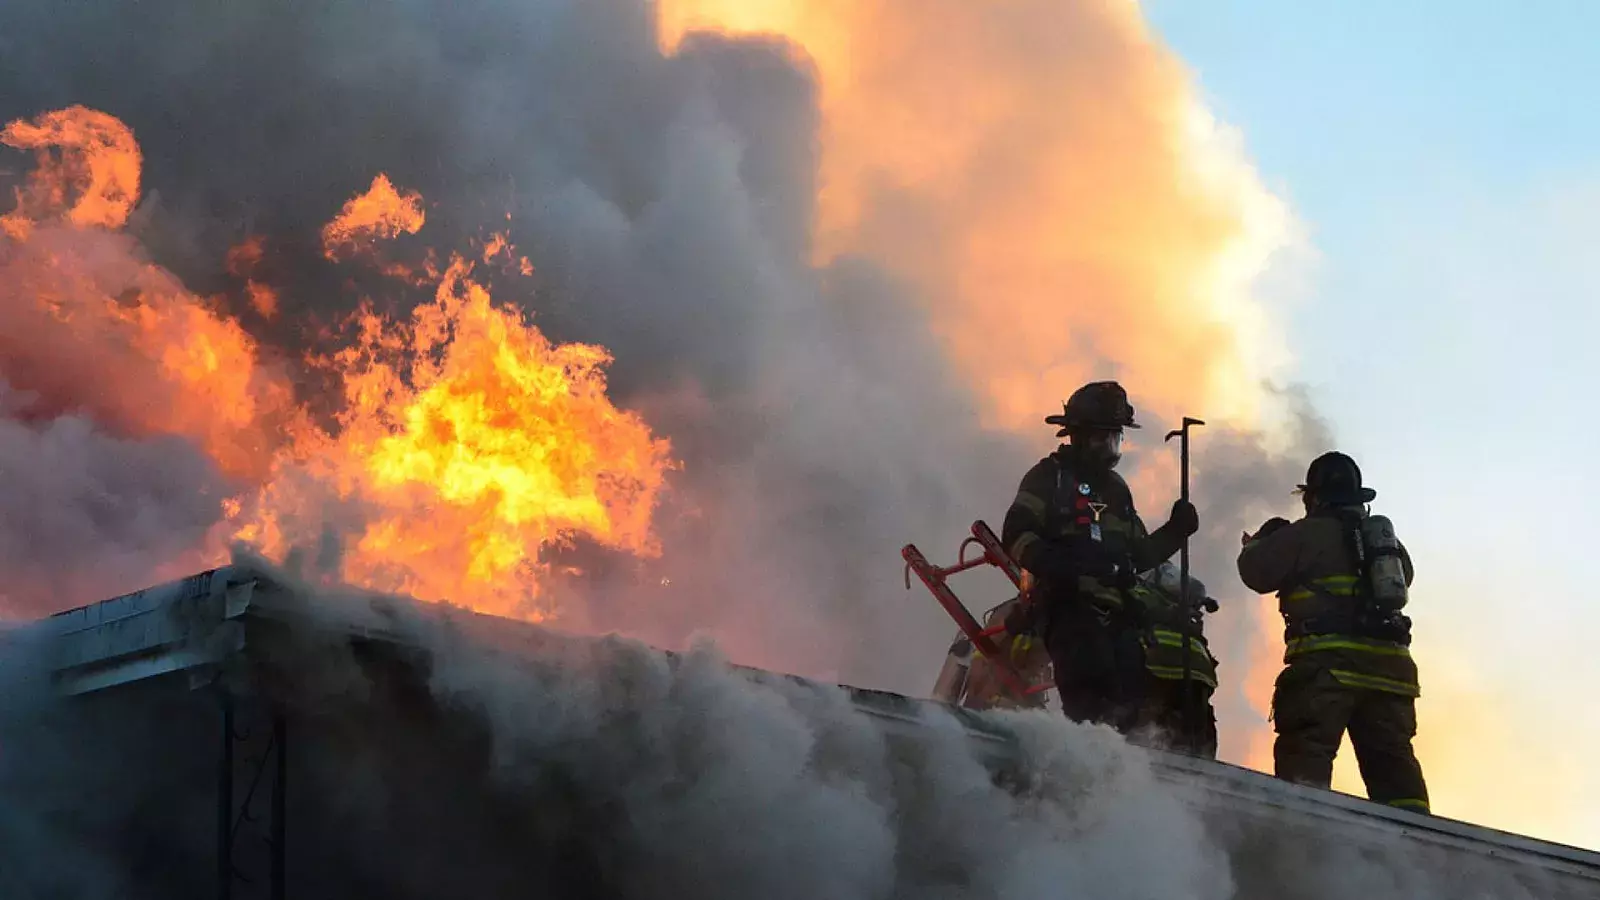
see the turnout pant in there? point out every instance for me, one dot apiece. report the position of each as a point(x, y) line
point(1163, 716)
point(1099, 667)
point(1311, 712)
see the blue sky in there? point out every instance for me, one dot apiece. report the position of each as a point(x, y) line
point(1445, 160)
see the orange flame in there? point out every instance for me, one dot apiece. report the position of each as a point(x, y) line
point(243, 258)
point(381, 213)
point(496, 245)
point(88, 326)
point(242, 261)
point(95, 158)
point(499, 245)
point(127, 343)
point(263, 299)
point(469, 443)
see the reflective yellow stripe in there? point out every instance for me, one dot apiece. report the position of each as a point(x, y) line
point(1150, 597)
point(1175, 673)
point(1375, 683)
point(1104, 596)
point(1116, 525)
point(1023, 542)
point(1020, 646)
point(1409, 803)
point(1032, 503)
point(1301, 646)
point(1175, 640)
point(1336, 585)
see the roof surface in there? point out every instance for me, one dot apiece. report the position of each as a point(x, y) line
point(195, 626)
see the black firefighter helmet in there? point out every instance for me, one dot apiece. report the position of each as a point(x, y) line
point(1334, 478)
point(1097, 406)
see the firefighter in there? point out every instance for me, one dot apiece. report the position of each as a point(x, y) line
point(968, 679)
point(1074, 528)
point(1164, 716)
point(1347, 660)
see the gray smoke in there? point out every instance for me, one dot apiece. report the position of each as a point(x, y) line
point(1239, 482)
point(95, 497)
point(736, 790)
point(573, 770)
point(490, 762)
point(85, 515)
point(667, 204)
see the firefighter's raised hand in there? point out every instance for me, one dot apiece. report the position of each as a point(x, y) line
point(1267, 528)
point(1185, 518)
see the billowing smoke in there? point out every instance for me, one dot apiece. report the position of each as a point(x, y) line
point(573, 771)
point(1240, 481)
point(1045, 178)
point(69, 492)
point(847, 294)
point(461, 758)
point(128, 414)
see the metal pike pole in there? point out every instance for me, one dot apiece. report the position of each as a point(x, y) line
point(1186, 603)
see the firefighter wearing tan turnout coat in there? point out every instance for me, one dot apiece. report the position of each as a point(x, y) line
point(1166, 698)
point(968, 679)
point(1341, 578)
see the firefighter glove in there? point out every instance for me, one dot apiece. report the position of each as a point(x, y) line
point(1276, 523)
point(1185, 518)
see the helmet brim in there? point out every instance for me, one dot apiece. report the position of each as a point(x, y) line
point(1367, 494)
point(1067, 426)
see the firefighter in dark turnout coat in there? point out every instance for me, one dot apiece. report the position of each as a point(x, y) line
point(1073, 526)
point(1348, 663)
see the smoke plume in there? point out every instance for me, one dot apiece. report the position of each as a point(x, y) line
point(844, 264)
point(574, 770)
point(1241, 481)
point(489, 761)
point(83, 515)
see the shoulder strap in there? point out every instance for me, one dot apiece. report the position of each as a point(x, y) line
point(1066, 478)
point(1356, 546)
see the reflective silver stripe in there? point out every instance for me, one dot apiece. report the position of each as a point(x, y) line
point(1175, 673)
point(1375, 683)
point(1032, 504)
point(1301, 646)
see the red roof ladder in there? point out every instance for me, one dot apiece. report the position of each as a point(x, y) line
point(935, 578)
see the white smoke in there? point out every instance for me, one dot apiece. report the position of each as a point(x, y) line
point(693, 780)
point(734, 789)
point(502, 762)
point(668, 203)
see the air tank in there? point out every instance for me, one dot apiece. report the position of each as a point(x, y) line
point(1387, 570)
